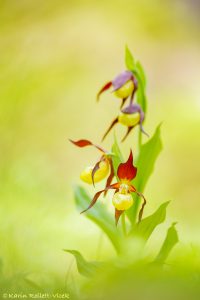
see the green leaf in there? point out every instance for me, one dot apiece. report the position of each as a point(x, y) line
point(170, 241)
point(117, 155)
point(141, 73)
point(138, 71)
point(85, 268)
point(145, 163)
point(99, 215)
point(141, 97)
point(129, 60)
point(145, 228)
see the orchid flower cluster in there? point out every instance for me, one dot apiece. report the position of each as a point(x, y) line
point(125, 87)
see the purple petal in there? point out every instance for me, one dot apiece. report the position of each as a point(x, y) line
point(121, 79)
point(131, 109)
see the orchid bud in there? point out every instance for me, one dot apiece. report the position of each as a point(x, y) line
point(122, 201)
point(129, 120)
point(125, 91)
point(99, 175)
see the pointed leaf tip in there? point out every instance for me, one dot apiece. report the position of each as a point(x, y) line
point(146, 227)
point(170, 241)
point(129, 60)
point(85, 268)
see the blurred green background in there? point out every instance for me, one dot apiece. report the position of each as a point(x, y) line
point(54, 56)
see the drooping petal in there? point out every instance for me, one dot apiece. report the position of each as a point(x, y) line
point(96, 167)
point(123, 102)
point(127, 133)
point(85, 143)
point(114, 122)
point(143, 205)
point(132, 189)
point(101, 171)
point(126, 170)
point(142, 116)
point(104, 88)
point(118, 214)
point(143, 131)
point(97, 195)
point(121, 79)
point(111, 176)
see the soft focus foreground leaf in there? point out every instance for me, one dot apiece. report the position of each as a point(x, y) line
point(99, 215)
point(170, 241)
point(145, 163)
point(85, 268)
point(117, 155)
point(145, 228)
point(129, 60)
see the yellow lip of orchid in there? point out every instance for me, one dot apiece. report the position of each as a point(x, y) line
point(129, 117)
point(100, 174)
point(101, 169)
point(129, 120)
point(124, 85)
point(125, 91)
point(122, 201)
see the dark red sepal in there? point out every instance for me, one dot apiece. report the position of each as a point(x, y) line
point(127, 170)
point(85, 143)
point(97, 195)
point(81, 143)
point(132, 189)
point(104, 88)
point(114, 122)
point(127, 133)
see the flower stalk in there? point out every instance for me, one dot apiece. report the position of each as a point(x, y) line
point(124, 87)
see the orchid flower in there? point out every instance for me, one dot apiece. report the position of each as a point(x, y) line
point(124, 85)
point(130, 117)
point(122, 199)
point(104, 166)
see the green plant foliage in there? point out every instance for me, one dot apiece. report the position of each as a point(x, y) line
point(146, 227)
point(85, 268)
point(170, 241)
point(138, 71)
point(117, 155)
point(145, 163)
point(141, 71)
point(141, 97)
point(99, 215)
point(129, 243)
point(129, 59)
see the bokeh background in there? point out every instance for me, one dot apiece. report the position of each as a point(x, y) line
point(54, 56)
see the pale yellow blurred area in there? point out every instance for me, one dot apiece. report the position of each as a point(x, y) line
point(54, 57)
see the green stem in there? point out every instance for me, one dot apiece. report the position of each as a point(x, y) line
point(137, 202)
point(139, 140)
point(124, 224)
